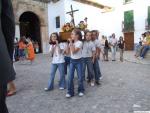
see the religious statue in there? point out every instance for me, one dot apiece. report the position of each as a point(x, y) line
point(83, 24)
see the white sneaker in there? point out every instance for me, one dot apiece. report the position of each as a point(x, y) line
point(81, 94)
point(100, 78)
point(46, 89)
point(141, 58)
point(61, 88)
point(68, 95)
point(92, 83)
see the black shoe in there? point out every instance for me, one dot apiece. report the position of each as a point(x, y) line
point(88, 81)
point(98, 83)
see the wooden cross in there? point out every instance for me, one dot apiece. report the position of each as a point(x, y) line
point(71, 13)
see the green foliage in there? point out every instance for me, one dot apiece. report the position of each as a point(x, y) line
point(128, 21)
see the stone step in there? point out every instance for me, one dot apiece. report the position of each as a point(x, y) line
point(148, 55)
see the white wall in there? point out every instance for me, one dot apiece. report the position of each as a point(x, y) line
point(115, 18)
point(106, 23)
point(93, 14)
point(54, 10)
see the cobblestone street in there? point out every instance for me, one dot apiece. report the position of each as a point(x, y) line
point(125, 88)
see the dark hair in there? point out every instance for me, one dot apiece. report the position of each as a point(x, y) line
point(22, 39)
point(94, 31)
point(85, 33)
point(58, 38)
point(121, 38)
point(78, 32)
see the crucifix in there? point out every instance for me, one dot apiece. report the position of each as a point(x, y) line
point(71, 13)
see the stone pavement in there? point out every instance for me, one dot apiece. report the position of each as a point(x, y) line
point(124, 89)
point(129, 56)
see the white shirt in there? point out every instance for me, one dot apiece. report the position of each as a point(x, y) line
point(57, 57)
point(97, 43)
point(88, 49)
point(77, 55)
point(113, 41)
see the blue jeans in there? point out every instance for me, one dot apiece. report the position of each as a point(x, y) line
point(67, 63)
point(87, 62)
point(75, 64)
point(97, 70)
point(113, 52)
point(145, 49)
point(21, 53)
point(52, 75)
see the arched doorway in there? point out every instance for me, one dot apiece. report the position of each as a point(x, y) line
point(30, 27)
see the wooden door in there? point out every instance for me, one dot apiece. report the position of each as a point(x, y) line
point(129, 40)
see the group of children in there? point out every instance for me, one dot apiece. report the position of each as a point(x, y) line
point(77, 54)
point(26, 49)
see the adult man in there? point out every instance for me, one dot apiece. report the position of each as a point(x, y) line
point(7, 31)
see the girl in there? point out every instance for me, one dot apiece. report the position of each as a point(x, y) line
point(121, 47)
point(106, 48)
point(30, 49)
point(102, 42)
point(22, 47)
point(75, 63)
point(56, 50)
point(113, 45)
point(88, 54)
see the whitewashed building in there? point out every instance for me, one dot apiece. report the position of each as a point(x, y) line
point(128, 17)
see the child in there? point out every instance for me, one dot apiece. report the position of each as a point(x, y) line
point(88, 54)
point(30, 49)
point(121, 47)
point(102, 42)
point(106, 48)
point(57, 51)
point(22, 47)
point(75, 63)
point(113, 45)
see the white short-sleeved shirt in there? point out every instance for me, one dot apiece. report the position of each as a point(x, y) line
point(88, 49)
point(97, 43)
point(77, 55)
point(113, 41)
point(57, 57)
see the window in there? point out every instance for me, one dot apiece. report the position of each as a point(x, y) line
point(58, 22)
point(128, 21)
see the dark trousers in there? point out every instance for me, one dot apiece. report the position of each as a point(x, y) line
point(3, 91)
